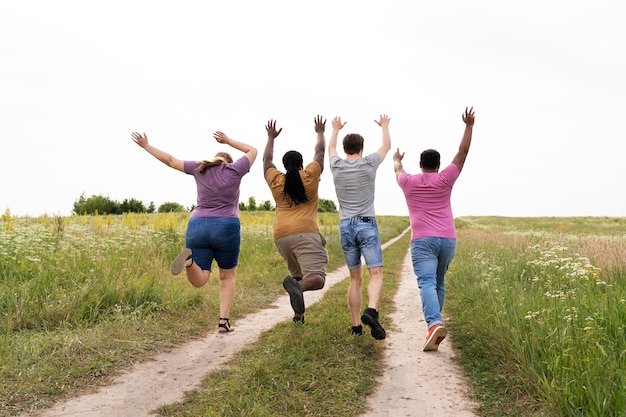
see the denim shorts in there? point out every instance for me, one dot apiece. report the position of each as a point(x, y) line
point(359, 237)
point(212, 238)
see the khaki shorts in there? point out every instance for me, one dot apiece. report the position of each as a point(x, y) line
point(304, 253)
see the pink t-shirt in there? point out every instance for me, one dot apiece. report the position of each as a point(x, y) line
point(428, 199)
point(218, 188)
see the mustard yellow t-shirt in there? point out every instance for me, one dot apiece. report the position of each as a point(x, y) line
point(291, 218)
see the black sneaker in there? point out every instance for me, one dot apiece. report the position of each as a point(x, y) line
point(299, 320)
point(370, 318)
point(357, 330)
point(296, 296)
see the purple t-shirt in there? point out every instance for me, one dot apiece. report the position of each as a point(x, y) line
point(218, 188)
point(428, 199)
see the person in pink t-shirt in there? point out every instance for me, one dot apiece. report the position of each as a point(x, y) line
point(214, 229)
point(433, 236)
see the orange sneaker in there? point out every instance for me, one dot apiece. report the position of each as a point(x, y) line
point(435, 336)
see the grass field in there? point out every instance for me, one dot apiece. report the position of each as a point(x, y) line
point(536, 307)
point(81, 295)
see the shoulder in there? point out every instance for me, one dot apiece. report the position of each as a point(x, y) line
point(313, 167)
point(271, 174)
point(242, 163)
point(451, 170)
point(189, 166)
point(403, 178)
point(336, 162)
point(373, 158)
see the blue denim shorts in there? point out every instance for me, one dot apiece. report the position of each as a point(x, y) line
point(212, 238)
point(359, 237)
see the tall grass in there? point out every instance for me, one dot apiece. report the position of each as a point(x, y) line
point(536, 306)
point(78, 295)
point(81, 272)
point(537, 321)
point(82, 297)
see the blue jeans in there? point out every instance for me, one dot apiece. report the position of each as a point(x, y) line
point(216, 238)
point(431, 257)
point(359, 236)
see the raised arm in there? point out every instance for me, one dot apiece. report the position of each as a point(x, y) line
point(320, 145)
point(468, 119)
point(268, 154)
point(332, 145)
point(249, 150)
point(397, 162)
point(166, 158)
point(384, 148)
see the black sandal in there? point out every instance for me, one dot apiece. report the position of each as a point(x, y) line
point(225, 326)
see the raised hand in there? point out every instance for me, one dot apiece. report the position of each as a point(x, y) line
point(320, 124)
point(384, 120)
point(397, 156)
point(468, 117)
point(271, 129)
point(337, 124)
point(221, 137)
point(139, 139)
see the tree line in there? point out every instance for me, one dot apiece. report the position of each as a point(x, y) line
point(99, 204)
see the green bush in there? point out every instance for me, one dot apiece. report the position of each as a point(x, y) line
point(132, 205)
point(171, 207)
point(96, 204)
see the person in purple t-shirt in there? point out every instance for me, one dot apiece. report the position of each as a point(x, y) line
point(433, 235)
point(213, 230)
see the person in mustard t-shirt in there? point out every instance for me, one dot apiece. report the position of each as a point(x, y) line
point(296, 232)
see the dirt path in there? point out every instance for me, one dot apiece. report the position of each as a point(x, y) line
point(417, 383)
point(404, 389)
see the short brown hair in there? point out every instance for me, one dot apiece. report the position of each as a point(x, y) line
point(353, 143)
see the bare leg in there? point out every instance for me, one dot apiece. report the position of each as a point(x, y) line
point(312, 282)
point(309, 283)
point(227, 291)
point(196, 275)
point(375, 287)
point(354, 295)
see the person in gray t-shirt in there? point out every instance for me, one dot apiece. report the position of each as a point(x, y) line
point(355, 179)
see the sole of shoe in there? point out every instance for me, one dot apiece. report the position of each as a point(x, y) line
point(436, 337)
point(296, 297)
point(179, 263)
point(378, 332)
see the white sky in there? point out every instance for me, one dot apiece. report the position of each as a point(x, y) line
point(546, 78)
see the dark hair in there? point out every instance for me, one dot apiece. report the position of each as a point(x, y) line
point(294, 188)
point(430, 159)
point(353, 143)
point(220, 157)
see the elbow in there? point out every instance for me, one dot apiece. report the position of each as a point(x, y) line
point(251, 155)
point(169, 161)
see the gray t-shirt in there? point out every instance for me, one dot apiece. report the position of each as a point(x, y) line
point(355, 183)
